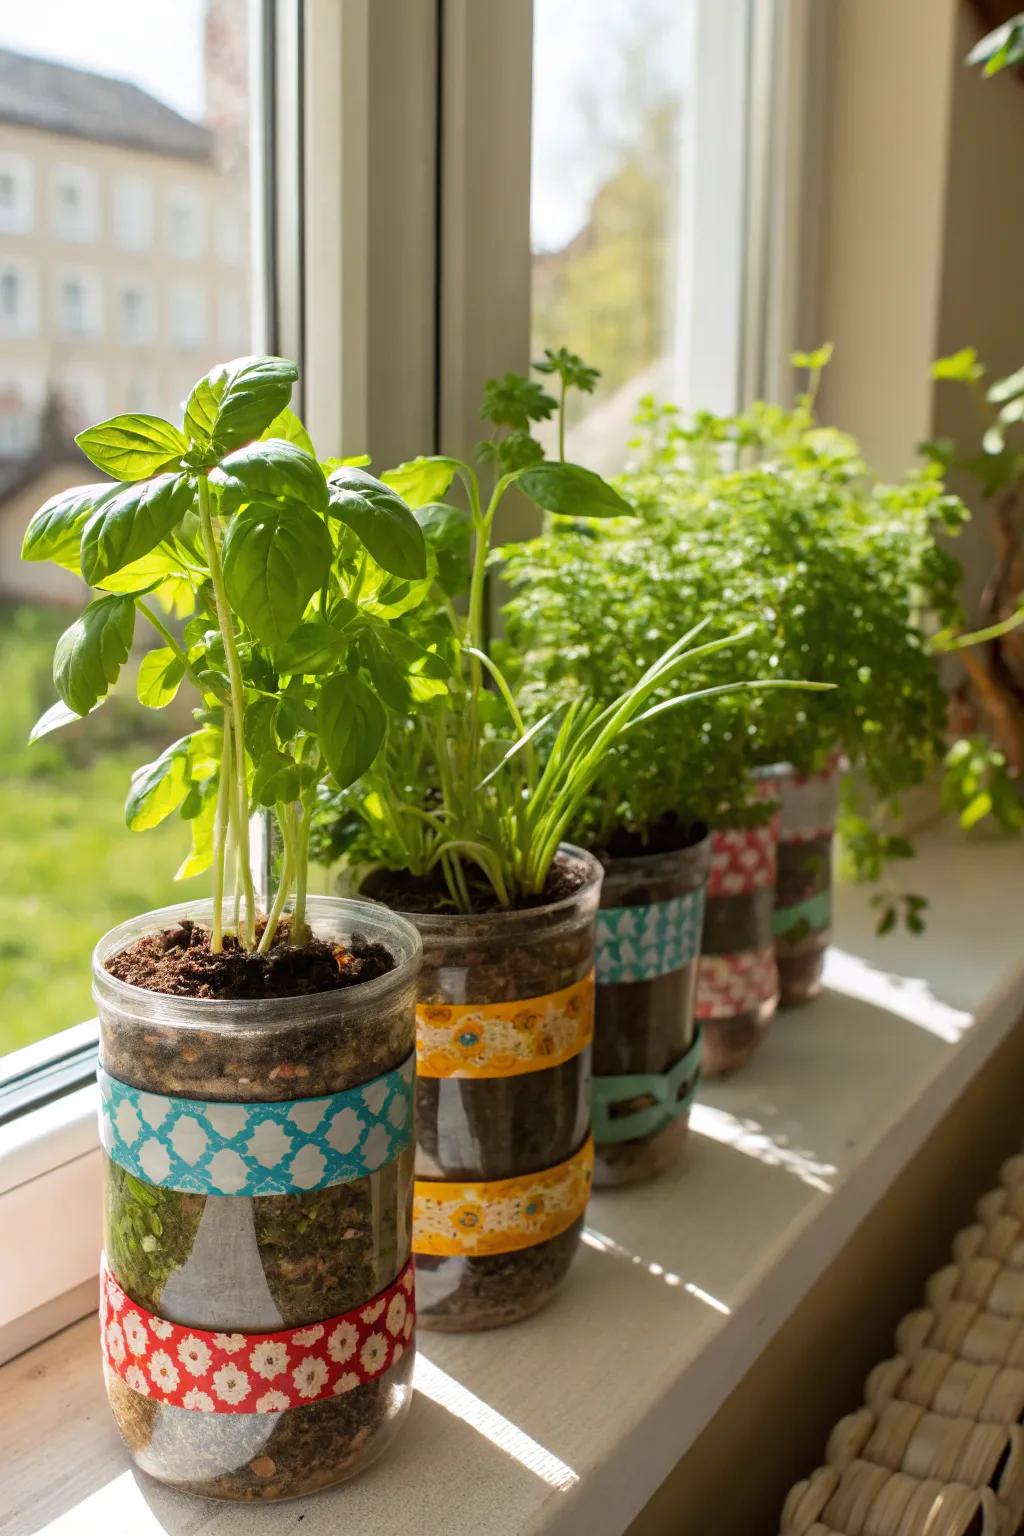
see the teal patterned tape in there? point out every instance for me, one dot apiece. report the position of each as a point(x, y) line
point(257, 1149)
point(671, 1094)
point(636, 943)
point(815, 911)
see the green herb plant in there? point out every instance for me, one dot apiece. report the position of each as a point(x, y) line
point(273, 584)
point(768, 520)
point(472, 791)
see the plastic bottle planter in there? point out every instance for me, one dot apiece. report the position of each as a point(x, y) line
point(803, 892)
point(503, 1150)
point(738, 982)
point(257, 1299)
point(646, 1045)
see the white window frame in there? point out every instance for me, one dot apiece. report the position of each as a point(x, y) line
point(89, 326)
point(25, 324)
point(84, 228)
point(19, 219)
point(185, 223)
point(134, 213)
point(426, 321)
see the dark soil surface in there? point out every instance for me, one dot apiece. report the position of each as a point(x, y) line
point(179, 961)
point(668, 835)
point(403, 892)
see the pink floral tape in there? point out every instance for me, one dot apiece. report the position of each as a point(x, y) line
point(732, 984)
point(743, 859)
point(253, 1372)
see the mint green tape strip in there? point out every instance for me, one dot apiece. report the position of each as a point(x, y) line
point(663, 1088)
point(816, 912)
point(637, 943)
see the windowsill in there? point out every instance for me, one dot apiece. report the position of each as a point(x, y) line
point(570, 1422)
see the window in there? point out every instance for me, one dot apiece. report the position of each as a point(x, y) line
point(17, 194)
point(82, 395)
point(21, 397)
point(17, 299)
point(231, 237)
point(79, 304)
point(186, 223)
point(231, 320)
point(133, 213)
point(76, 204)
point(136, 314)
point(186, 315)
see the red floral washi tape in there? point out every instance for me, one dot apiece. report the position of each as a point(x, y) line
point(743, 859)
point(253, 1372)
point(732, 984)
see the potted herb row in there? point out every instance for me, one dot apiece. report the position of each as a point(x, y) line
point(256, 1069)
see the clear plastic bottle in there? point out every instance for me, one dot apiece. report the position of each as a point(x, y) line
point(237, 1264)
point(803, 891)
point(646, 991)
point(487, 1128)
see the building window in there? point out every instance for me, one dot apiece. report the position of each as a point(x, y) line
point(133, 213)
point(17, 299)
point(76, 203)
point(17, 194)
point(187, 315)
point(186, 223)
point(136, 314)
point(141, 393)
point(79, 304)
point(230, 237)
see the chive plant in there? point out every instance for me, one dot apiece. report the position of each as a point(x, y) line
point(273, 584)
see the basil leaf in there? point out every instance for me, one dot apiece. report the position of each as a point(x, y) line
point(287, 426)
point(314, 647)
point(202, 823)
point(55, 531)
point(133, 447)
point(237, 401)
point(351, 725)
point(569, 490)
point(279, 777)
point(52, 719)
point(270, 470)
point(381, 521)
point(421, 480)
point(91, 653)
point(133, 521)
point(274, 560)
point(448, 532)
point(158, 788)
point(160, 675)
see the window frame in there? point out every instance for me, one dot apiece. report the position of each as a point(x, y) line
point(378, 126)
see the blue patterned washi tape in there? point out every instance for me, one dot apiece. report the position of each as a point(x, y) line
point(636, 943)
point(815, 911)
point(257, 1149)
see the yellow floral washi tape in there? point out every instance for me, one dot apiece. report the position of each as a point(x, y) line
point(504, 1039)
point(473, 1220)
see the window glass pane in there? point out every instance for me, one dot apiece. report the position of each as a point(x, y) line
point(124, 275)
point(610, 108)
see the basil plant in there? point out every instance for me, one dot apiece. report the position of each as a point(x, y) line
point(271, 584)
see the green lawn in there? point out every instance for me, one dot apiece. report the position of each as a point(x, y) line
point(69, 867)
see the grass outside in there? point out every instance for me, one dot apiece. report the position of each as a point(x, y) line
point(69, 867)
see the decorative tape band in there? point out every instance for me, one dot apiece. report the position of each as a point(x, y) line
point(504, 1039)
point(253, 1372)
point(670, 1094)
point(257, 1149)
point(743, 858)
point(638, 943)
point(731, 984)
point(503, 1216)
point(815, 911)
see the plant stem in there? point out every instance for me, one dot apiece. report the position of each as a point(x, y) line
point(220, 835)
point(247, 937)
point(168, 640)
point(284, 818)
point(300, 929)
point(561, 421)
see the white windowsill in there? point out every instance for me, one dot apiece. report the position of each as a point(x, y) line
point(570, 1422)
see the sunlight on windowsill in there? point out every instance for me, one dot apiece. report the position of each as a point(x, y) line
point(487, 1421)
point(753, 1140)
point(604, 1244)
point(907, 997)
